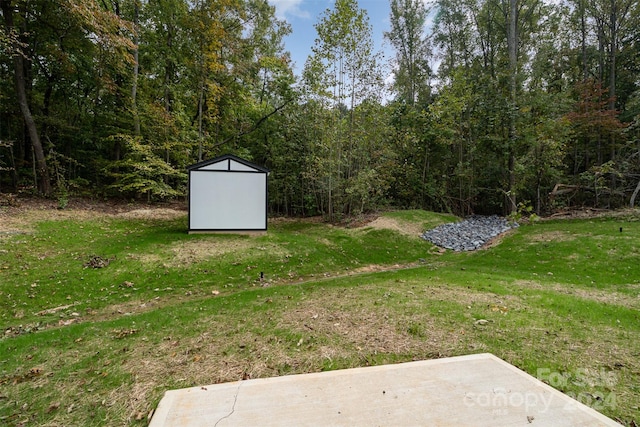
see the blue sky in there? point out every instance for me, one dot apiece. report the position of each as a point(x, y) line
point(304, 14)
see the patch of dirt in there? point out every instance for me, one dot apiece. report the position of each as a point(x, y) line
point(357, 221)
point(192, 251)
point(471, 297)
point(360, 222)
point(376, 268)
point(408, 229)
point(21, 217)
point(152, 213)
point(182, 254)
point(369, 329)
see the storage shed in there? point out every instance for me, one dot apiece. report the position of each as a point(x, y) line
point(227, 194)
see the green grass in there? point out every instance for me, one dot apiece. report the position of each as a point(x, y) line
point(172, 310)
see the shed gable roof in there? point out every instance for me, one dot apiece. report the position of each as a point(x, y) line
point(228, 162)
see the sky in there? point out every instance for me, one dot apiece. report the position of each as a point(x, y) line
point(302, 15)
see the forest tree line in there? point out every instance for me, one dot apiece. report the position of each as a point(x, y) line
point(495, 106)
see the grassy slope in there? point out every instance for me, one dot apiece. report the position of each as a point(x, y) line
point(171, 310)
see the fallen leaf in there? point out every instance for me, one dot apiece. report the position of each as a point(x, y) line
point(67, 322)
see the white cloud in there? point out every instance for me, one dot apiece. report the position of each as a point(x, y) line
point(289, 8)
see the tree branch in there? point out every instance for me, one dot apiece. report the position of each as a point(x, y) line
point(254, 127)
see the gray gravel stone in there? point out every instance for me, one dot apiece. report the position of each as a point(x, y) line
point(469, 234)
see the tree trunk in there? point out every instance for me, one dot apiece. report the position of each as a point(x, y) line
point(634, 195)
point(44, 184)
point(583, 36)
point(136, 70)
point(613, 48)
point(200, 113)
point(512, 43)
point(168, 71)
point(601, 53)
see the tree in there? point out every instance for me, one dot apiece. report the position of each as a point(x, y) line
point(50, 42)
point(19, 52)
point(512, 43)
point(136, 67)
point(453, 124)
point(412, 72)
point(340, 75)
point(594, 125)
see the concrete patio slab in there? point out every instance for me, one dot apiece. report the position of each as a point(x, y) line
point(475, 390)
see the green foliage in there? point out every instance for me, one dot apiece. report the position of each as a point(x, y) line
point(127, 93)
point(143, 172)
point(524, 211)
point(411, 71)
point(350, 162)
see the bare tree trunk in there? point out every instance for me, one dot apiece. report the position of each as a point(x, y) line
point(14, 169)
point(634, 195)
point(538, 196)
point(200, 113)
point(168, 72)
point(583, 35)
point(512, 43)
point(425, 169)
point(44, 184)
point(136, 70)
point(201, 89)
point(613, 47)
point(613, 50)
point(601, 53)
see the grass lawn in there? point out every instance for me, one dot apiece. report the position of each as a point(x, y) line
point(101, 313)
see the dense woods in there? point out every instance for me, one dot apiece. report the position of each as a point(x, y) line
point(495, 106)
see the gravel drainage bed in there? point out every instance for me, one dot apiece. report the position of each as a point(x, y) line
point(469, 234)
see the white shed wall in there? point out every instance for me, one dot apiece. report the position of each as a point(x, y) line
point(220, 166)
point(227, 200)
point(236, 166)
